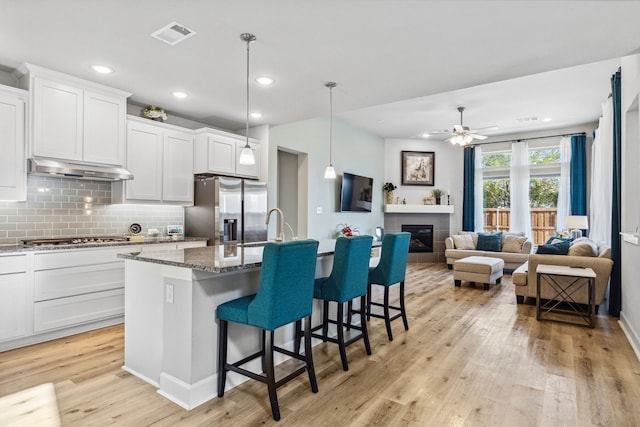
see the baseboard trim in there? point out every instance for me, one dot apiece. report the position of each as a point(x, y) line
point(631, 334)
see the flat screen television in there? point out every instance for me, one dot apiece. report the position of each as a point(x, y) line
point(356, 193)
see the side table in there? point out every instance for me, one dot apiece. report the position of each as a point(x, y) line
point(564, 282)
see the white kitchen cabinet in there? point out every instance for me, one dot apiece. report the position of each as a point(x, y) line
point(160, 157)
point(74, 119)
point(13, 174)
point(218, 152)
point(177, 167)
point(104, 128)
point(144, 161)
point(13, 297)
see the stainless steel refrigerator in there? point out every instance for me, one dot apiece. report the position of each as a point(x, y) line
point(227, 210)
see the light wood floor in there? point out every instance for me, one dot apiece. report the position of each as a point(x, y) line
point(471, 357)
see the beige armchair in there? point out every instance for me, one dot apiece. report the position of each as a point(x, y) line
point(524, 277)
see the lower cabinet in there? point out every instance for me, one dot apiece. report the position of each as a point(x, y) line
point(51, 294)
point(72, 295)
point(13, 297)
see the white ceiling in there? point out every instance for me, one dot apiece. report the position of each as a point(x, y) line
point(402, 66)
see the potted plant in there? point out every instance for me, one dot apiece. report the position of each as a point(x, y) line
point(388, 189)
point(154, 113)
point(437, 193)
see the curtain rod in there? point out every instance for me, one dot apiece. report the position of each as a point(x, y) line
point(528, 139)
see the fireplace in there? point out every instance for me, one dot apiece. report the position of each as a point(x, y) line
point(421, 237)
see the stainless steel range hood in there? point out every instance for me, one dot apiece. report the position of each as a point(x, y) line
point(66, 169)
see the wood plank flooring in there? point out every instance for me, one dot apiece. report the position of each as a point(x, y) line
point(471, 357)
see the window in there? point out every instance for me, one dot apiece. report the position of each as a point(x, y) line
point(544, 173)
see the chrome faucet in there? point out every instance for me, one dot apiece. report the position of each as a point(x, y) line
point(280, 230)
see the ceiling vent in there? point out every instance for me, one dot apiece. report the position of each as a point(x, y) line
point(527, 119)
point(173, 33)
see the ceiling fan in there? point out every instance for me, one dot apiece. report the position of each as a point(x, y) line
point(462, 135)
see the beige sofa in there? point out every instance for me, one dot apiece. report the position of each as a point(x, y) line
point(524, 277)
point(516, 249)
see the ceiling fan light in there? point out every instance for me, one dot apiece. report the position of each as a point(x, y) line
point(246, 156)
point(467, 139)
point(330, 172)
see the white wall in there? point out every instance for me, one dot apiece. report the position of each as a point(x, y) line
point(630, 254)
point(449, 173)
point(354, 150)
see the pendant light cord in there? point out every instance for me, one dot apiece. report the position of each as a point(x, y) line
point(247, 121)
point(330, 85)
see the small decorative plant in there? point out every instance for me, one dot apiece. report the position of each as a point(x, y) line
point(437, 193)
point(389, 187)
point(154, 113)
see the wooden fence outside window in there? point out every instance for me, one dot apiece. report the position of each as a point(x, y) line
point(543, 222)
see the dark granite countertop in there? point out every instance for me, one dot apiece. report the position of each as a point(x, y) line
point(217, 259)
point(147, 241)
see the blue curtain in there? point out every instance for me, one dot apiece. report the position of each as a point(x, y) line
point(615, 283)
point(578, 174)
point(468, 198)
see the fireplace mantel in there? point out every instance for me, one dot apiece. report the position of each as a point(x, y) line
point(423, 209)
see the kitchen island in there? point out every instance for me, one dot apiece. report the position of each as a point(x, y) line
point(170, 323)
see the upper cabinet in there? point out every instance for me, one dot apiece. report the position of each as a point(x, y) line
point(13, 174)
point(74, 119)
point(160, 157)
point(218, 152)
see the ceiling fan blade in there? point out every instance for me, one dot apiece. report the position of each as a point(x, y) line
point(439, 132)
point(485, 129)
point(476, 136)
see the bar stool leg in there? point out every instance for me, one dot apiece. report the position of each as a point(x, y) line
point(368, 302)
point(363, 325)
point(341, 346)
point(402, 310)
point(222, 356)
point(349, 312)
point(298, 337)
point(387, 318)
point(325, 320)
point(270, 376)
point(309, 355)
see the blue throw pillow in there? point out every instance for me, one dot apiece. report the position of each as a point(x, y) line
point(558, 248)
point(491, 242)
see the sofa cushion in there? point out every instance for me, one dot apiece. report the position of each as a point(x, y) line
point(558, 248)
point(604, 250)
point(583, 247)
point(473, 235)
point(512, 243)
point(489, 242)
point(463, 241)
point(555, 239)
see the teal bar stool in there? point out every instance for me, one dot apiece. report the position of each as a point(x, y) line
point(285, 296)
point(390, 270)
point(348, 280)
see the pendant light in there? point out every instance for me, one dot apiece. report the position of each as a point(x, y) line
point(246, 155)
point(330, 172)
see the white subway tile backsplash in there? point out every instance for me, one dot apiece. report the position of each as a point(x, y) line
point(70, 207)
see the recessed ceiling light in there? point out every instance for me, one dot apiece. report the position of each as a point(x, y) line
point(179, 94)
point(426, 135)
point(256, 115)
point(264, 80)
point(547, 119)
point(102, 69)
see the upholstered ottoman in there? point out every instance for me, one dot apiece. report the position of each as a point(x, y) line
point(481, 269)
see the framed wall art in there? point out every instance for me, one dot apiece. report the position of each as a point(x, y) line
point(418, 167)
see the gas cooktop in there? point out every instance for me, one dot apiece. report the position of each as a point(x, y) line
point(65, 241)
